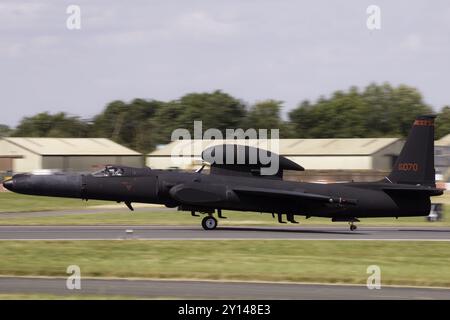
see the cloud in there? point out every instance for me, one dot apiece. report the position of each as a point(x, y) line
point(14, 8)
point(200, 23)
point(44, 41)
point(412, 41)
point(284, 50)
point(14, 15)
point(125, 38)
point(10, 50)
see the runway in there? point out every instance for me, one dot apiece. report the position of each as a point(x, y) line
point(222, 233)
point(187, 289)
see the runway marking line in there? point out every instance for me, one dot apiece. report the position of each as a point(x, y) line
point(237, 226)
point(221, 239)
point(226, 281)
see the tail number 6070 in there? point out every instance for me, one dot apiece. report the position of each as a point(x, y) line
point(408, 166)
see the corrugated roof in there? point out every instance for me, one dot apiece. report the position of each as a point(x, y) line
point(443, 142)
point(357, 146)
point(8, 151)
point(71, 146)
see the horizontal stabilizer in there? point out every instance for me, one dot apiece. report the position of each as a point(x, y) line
point(428, 191)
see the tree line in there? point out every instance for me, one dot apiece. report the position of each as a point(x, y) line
point(378, 110)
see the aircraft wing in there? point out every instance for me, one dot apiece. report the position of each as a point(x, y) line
point(266, 192)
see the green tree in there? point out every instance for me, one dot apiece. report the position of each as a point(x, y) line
point(5, 131)
point(59, 125)
point(302, 119)
point(216, 110)
point(377, 111)
point(443, 122)
point(267, 115)
point(340, 116)
point(407, 104)
point(379, 120)
point(166, 119)
point(128, 123)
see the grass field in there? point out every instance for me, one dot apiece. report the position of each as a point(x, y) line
point(11, 202)
point(155, 217)
point(14, 202)
point(401, 263)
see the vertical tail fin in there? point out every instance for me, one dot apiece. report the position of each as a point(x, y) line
point(415, 164)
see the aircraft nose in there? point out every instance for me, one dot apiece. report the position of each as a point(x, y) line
point(9, 184)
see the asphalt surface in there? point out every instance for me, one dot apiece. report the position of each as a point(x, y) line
point(213, 289)
point(221, 233)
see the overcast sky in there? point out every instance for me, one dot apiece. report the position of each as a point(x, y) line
point(252, 49)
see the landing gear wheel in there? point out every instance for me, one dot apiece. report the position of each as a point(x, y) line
point(352, 227)
point(209, 223)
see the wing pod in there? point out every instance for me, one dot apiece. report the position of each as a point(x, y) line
point(293, 195)
point(194, 193)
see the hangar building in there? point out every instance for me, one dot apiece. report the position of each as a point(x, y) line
point(68, 154)
point(372, 157)
point(442, 158)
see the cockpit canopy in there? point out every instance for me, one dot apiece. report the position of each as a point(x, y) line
point(121, 171)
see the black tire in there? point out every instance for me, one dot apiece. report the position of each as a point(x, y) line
point(209, 223)
point(352, 227)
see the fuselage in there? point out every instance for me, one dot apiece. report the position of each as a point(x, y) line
point(208, 192)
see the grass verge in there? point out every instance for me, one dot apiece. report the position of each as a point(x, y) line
point(401, 263)
point(14, 202)
point(155, 217)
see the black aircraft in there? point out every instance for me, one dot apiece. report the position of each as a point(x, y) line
point(241, 186)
